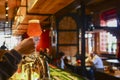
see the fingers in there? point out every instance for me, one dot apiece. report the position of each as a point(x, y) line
point(27, 46)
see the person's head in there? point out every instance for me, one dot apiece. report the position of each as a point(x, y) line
point(46, 50)
point(61, 54)
point(92, 54)
point(4, 43)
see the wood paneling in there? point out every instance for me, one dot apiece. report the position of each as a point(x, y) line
point(67, 37)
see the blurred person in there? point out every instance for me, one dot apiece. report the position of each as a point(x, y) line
point(46, 53)
point(3, 46)
point(60, 60)
point(95, 61)
point(9, 60)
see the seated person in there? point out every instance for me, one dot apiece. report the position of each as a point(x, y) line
point(96, 61)
point(60, 60)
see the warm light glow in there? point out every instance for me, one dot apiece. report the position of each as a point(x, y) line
point(34, 21)
point(6, 22)
point(7, 8)
point(34, 28)
point(6, 15)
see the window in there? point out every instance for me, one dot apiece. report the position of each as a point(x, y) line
point(111, 22)
point(109, 18)
point(108, 42)
point(10, 41)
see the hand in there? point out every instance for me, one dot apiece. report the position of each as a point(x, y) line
point(26, 46)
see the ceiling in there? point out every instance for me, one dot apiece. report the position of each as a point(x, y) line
point(21, 11)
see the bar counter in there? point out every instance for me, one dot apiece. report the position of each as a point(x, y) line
point(59, 74)
point(55, 74)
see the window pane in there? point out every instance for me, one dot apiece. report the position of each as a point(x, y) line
point(112, 23)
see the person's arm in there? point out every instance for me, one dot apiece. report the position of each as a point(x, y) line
point(8, 65)
point(12, 58)
point(89, 61)
point(95, 60)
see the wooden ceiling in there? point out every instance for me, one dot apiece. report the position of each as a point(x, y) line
point(12, 4)
point(21, 11)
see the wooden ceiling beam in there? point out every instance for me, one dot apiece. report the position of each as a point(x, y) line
point(97, 7)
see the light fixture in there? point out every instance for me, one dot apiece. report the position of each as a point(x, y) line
point(6, 15)
point(7, 8)
point(6, 22)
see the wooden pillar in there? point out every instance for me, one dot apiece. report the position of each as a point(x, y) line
point(83, 48)
point(96, 43)
point(118, 50)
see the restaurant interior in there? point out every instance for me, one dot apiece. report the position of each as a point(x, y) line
point(73, 27)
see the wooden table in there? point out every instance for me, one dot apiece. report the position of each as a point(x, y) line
point(115, 74)
point(114, 61)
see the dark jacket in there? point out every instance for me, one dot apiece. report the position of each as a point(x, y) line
point(8, 64)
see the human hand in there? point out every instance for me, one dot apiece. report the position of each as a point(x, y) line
point(26, 46)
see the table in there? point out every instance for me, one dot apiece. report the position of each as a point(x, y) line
point(115, 61)
point(115, 74)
